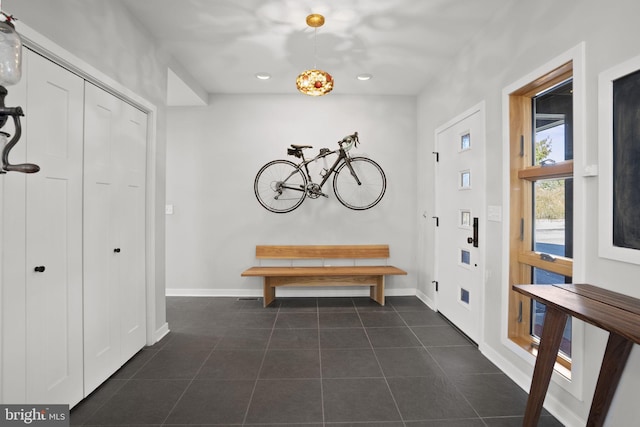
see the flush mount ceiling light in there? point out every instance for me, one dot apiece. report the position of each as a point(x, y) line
point(314, 82)
point(263, 76)
point(364, 77)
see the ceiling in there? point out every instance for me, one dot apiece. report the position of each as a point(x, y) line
point(220, 45)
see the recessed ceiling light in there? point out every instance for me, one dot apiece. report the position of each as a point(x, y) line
point(364, 77)
point(263, 76)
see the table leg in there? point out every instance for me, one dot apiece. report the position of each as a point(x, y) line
point(613, 362)
point(554, 323)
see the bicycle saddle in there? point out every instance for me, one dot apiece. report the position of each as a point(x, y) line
point(298, 147)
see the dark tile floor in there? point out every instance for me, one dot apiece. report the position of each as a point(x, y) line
point(307, 362)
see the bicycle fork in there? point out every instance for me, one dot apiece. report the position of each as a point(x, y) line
point(353, 173)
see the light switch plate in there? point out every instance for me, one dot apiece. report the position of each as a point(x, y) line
point(494, 213)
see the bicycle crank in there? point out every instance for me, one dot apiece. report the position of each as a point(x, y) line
point(314, 191)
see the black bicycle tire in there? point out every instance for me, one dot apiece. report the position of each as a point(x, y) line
point(379, 197)
point(266, 205)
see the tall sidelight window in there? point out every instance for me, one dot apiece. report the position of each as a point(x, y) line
point(541, 211)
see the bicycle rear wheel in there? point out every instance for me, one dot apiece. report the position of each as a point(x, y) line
point(280, 186)
point(363, 195)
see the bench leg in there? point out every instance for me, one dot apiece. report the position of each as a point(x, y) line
point(376, 292)
point(269, 292)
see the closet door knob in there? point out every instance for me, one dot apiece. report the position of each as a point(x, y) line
point(39, 269)
point(116, 250)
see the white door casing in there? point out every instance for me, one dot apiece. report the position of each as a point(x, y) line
point(460, 200)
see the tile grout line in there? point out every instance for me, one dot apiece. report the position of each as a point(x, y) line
point(384, 376)
point(324, 421)
point(443, 371)
point(175, 405)
point(124, 380)
point(264, 356)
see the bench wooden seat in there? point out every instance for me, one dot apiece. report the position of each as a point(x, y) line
point(325, 275)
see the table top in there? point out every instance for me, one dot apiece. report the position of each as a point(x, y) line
point(608, 310)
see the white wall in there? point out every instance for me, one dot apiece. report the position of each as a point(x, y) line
point(103, 35)
point(214, 153)
point(521, 39)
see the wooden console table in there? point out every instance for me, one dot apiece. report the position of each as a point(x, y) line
point(616, 313)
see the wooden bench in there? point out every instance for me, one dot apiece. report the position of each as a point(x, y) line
point(325, 274)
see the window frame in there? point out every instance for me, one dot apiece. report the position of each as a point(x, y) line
point(523, 175)
point(582, 234)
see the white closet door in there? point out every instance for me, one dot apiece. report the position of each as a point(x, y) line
point(132, 139)
point(114, 237)
point(101, 272)
point(54, 137)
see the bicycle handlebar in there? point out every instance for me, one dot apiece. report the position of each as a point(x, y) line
point(350, 141)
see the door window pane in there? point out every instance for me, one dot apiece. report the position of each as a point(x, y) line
point(465, 219)
point(465, 257)
point(465, 179)
point(465, 142)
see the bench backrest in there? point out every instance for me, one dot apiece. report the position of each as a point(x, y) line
point(322, 251)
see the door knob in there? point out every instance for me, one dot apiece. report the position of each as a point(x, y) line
point(39, 269)
point(116, 250)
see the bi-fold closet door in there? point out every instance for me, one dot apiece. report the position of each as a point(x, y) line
point(42, 344)
point(114, 234)
point(85, 301)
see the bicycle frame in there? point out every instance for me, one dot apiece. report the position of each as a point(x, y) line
point(342, 156)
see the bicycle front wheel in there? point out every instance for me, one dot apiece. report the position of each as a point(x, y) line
point(360, 186)
point(280, 186)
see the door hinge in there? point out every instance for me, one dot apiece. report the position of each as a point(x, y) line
point(437, 220)
point(435, 282)
point(437, 156)
point(521, 145)
point(522, 229)
point(519, 311)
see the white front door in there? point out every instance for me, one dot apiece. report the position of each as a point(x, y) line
point(460, 208)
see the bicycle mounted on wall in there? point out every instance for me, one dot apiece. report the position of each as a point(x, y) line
point(358, 182)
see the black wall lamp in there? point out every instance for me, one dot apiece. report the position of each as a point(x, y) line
point(10, 73)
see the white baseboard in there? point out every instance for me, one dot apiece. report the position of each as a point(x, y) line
point(425, 299)
point(161, 332)
point(289, 292)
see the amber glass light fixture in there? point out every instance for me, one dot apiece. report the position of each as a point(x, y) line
point(315, 82)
